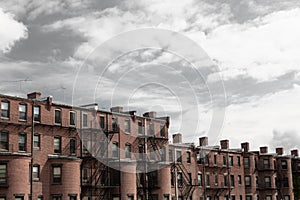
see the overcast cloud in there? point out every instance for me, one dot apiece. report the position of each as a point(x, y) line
point(254, 44)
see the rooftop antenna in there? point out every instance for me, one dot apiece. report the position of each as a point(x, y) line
point(19, 81)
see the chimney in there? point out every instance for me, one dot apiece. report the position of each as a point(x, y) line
point(151, 114)
point(49, 100)
point(279, 151)
point(34, 95)
point(177, 138)
point(224, 144)
point(294, 152)
point(116, 109)
point(203, 141)
point(245, 146)
point(263, 149)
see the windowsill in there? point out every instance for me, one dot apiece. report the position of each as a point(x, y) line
point(127, 133)
point(22, 120)
point(5, 118)
point(22, 151)
point(36, 180)
point(37, 148)
point(56, 183)
point(37, 122)
point(73, 126)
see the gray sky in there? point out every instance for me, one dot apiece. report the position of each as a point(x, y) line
point(254, 44)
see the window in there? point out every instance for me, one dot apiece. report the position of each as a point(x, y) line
point(57, 144)
point(115, 152)
point(163, 154)
point(232, 181)
point(230, 160)
point(5, 109)
point(179, 179)
point(286, 197)
point(266, 164)
point(246, 162)
point(200, 179)
point(170, 155)
point(57, 116)
point(115, 125)
point(130, 197)
point(256, 181)
point(215, 159)
point(85, 175)
point(166, 197)
point(224, 160)
point(240, 179)
point(285, 182)
point(151, 129)
point(284, 164)
point(72, 146)
point(225, 180)
point(37, 113)
point(72, 197)
point(140, 128)
point(172, 179)
point(190, 178)
point(36, 172)
point(206, 159)
point(247, 181)
point(178, 156)
point(2, 197)
point(102, 122)
point(56, 174)
point(128, 151)
point(22, 142)
point(268, 197)
point(3, 141)
point(248, 197)
point(232, 197)
point(36, 141)
point(267, 181)
point(298, 165)
point(40, 197)
point(19, 197)
point(188, 157)
point(239, 161)
point(84, 120)
point(207, 180)
point(72, 118)
point(162, 130)
point(56, 197)
point(127, 126)
point(216, 179)
point(3, 173)
point(22, 112)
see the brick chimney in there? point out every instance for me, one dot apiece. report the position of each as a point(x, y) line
point(34, 95)
point(116, 109)
point(279, 151)
point(177, 138)
point(224, 144)
point(294, 152)
point(151, 114)
point(203, 141)
point(263, 149)
point(245, 146)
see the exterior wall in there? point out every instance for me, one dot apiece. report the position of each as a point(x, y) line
point(99, 143)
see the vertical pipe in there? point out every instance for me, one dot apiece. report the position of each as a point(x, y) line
point(145, 158)
point(31, 162)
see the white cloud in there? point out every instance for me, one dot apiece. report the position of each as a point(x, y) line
point(264, 48)
point(10, 31)
point(255, 122)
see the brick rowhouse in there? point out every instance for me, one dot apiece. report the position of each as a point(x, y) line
point(81, 152)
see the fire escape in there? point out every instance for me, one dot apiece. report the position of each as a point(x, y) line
point(151, 151)
point(98, 180)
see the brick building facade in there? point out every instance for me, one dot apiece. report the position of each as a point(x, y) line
point(62, 152)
